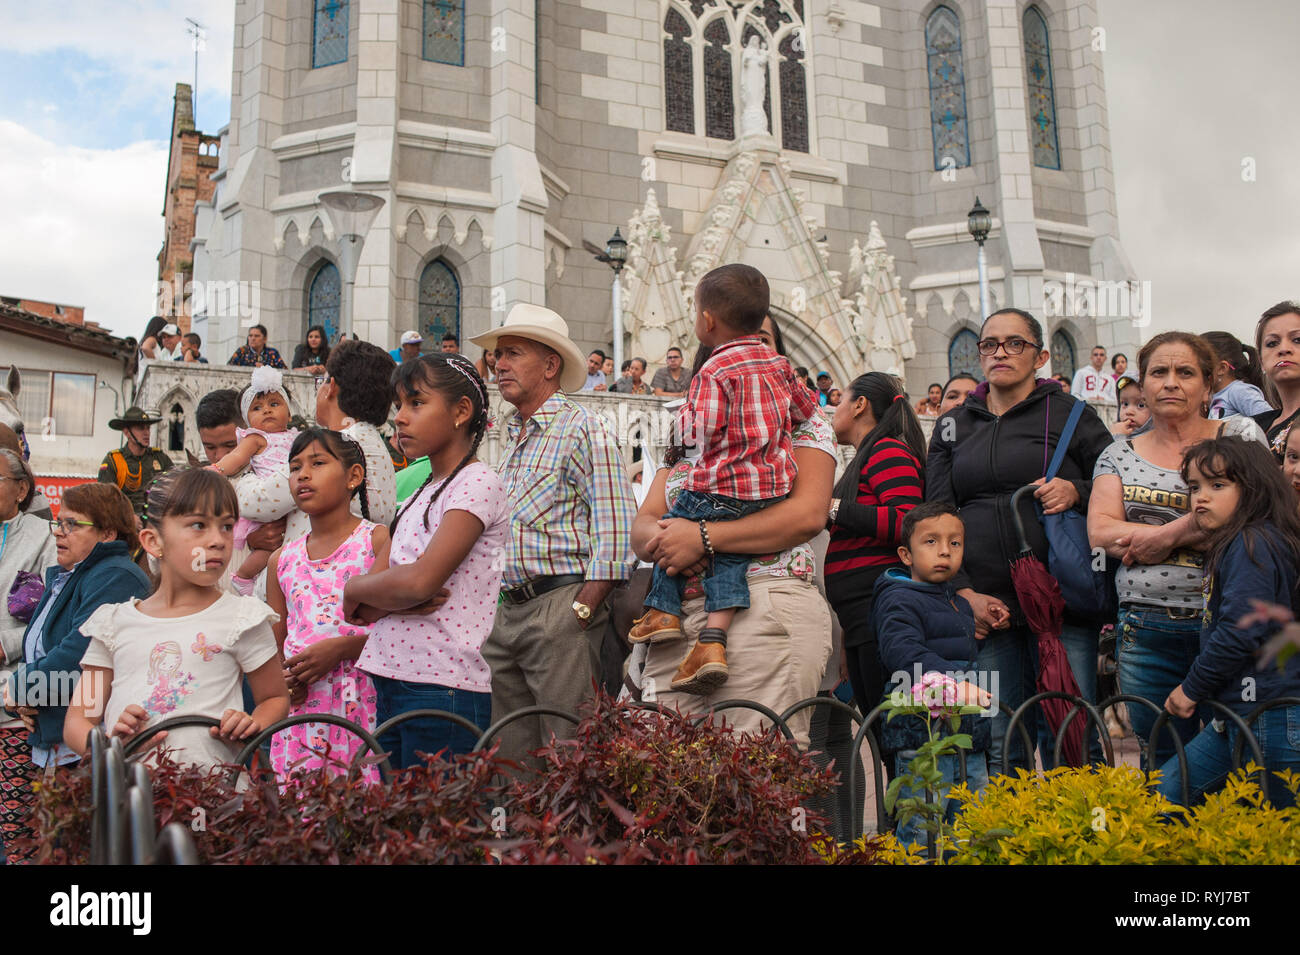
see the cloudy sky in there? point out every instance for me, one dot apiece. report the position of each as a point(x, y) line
point(1196, 88)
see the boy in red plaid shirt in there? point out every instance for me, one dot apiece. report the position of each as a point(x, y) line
point(740, 411)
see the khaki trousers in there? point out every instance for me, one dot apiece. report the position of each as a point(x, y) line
point(777, 652)
point(540, 656)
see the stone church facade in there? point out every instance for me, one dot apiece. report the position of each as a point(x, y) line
point(505, 135)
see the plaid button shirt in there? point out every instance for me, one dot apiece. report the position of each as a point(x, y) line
point(741, 408)
point(571, 504)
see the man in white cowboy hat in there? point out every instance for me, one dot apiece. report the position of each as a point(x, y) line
point(570, 529)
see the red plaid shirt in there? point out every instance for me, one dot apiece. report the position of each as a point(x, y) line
point(741, 409)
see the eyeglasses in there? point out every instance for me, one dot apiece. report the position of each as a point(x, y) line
point(1012, 346)
point(67, 525)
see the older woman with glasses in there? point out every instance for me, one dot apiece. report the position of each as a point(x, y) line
point(94, 536)
point(984, 450)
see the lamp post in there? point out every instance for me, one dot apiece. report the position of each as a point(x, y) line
point(615, 256)
point(351, 214)
point(979, 221)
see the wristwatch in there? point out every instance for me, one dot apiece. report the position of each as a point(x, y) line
point(835, 508)
point(582, 610)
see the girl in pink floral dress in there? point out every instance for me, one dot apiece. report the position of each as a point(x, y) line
point(320, 649)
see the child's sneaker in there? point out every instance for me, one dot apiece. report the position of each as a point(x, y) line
point(655, 626)
point(703, 671)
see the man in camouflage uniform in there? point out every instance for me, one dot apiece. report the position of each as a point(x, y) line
point(134, 466)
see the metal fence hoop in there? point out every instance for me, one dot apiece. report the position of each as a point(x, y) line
point(331, 719)
point(759, 708)
point(471, 727)
point(175, 722)
point(492, 731)
point(878, 765)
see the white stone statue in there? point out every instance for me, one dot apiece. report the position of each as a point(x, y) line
point(753, 77)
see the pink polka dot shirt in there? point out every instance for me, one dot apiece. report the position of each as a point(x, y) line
point(443, 647)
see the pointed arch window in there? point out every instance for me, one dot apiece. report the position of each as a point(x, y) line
point(1064, 361)
point(794, 94)
point(439, 302)
point(444, 31)
point(719, 101)
point(943, 58)
point(1042, 95)
point(324, 293)
point(964, 355)
point(679, 87)
point(329, 32)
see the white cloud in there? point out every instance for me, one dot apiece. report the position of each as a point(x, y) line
point(83, 226)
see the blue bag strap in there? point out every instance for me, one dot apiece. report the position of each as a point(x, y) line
point(1063, 442)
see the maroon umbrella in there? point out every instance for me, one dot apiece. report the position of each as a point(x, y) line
point(1044, 609)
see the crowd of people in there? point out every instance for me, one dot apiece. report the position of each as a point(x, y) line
point(298, 572)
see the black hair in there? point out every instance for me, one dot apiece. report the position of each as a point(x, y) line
point(155, 325)
point(1266, 496)
point(193, 338)
point(451, 337)
point(1242, 359)
point(894, 419)
point(1114, 360)
point(933, 384)
point(187, 490)
point(364, 374)
point(925, 512)
point(454, 377)
point(627, 363)
point(672, 348)
point(1035, 329)
point(736, 295)
point(643, 362)
point(217, 408)
point(801, 371)
point(1270, 313)
point(324, 351)
point(259, 327)
point(341, 448)
point(597, 351)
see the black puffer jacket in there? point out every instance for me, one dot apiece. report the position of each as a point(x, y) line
point(978, 460)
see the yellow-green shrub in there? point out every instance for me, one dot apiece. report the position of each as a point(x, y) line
point(1107, 816)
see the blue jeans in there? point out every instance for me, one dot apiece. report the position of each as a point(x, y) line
point(977, 777)
point(405, 741)
point(1013, 655)
point(725, 586)
point(1154, 651)
point(1209, 757)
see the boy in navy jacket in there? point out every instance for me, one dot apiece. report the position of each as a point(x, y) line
point(923, 626)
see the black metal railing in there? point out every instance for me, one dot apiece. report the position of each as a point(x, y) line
point(123, 826)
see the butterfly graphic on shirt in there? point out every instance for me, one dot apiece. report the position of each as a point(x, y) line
point(204, 649)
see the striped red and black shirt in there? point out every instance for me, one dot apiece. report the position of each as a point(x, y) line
point(866, 532)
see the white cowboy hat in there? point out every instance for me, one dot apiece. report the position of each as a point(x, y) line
point(540, 324)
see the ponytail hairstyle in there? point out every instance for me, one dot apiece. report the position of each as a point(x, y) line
point(894, 419)
point(1252, 467)
point(340, 447)
point(1242, 359)
point(453, 377)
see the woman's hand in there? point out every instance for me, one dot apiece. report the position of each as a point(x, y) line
point(28, 715)
point(1146, 545)
point(678, 547)
point(1056, 495)
point(968, 694)
point(314, 662)
point(235, 725)
point(990, 612)
point(1179, 704)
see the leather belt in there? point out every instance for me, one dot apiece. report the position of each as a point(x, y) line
point(539, 586)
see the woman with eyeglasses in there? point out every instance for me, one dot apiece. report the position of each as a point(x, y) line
point(94, 536)
point(1000, 439)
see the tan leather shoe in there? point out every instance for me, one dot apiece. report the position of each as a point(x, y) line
point(655, 626)
point(703, 671)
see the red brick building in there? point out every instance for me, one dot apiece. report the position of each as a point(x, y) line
point(190, 165)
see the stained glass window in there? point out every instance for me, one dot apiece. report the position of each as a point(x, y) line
point(679, 90)
point(699, 6)
point(329, 33)
point(1042, 99)
point(947, 89)
point(794, 95)
point(444, 31)
point(323, 297)
point(1063, 360)
point(770, 12)
point(964, 355)
point(751, 30)
point(719, 103)
point(439, 302)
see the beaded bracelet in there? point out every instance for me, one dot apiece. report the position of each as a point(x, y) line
point(704, 536)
